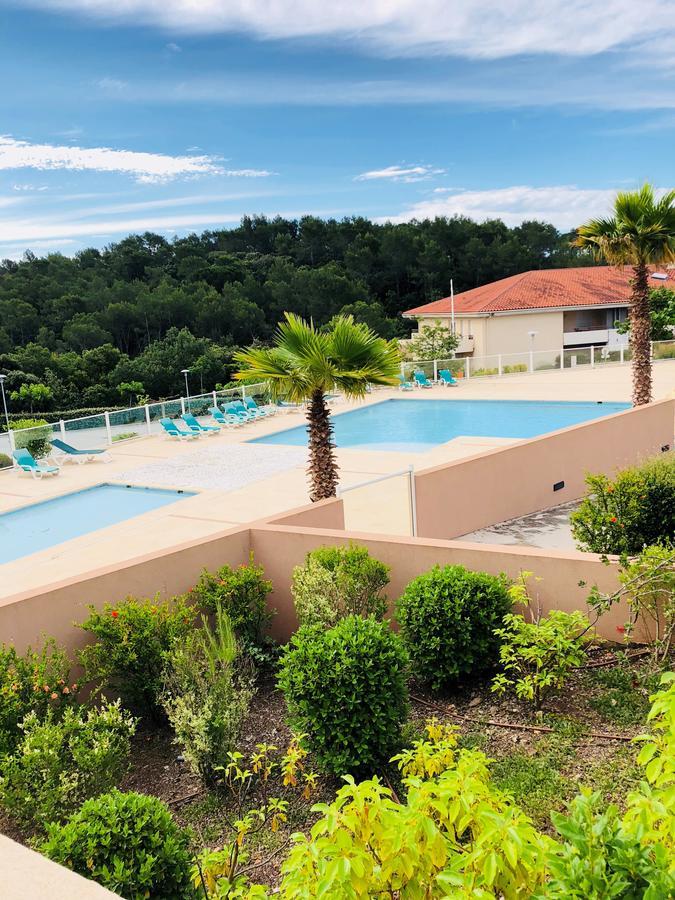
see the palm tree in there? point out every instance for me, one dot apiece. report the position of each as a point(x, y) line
point(641, 233)
point(306, 364)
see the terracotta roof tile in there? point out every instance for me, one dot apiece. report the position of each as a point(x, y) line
point(545, 289)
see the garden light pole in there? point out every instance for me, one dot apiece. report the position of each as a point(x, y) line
point(187, 387)
point(4, 406)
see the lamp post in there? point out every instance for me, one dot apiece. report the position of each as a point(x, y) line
point(532, 335)
point(187, 387)
point(4, 406)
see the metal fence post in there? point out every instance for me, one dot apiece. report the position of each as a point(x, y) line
point(531, 364)
point(182, 406)
point(562, 358)
point(621, 354)
point(12, 442)
point(467, 371)
point(106, 416)
point(592, 356)
point(413, 500)
point(215, 398)
point(435, 370)
point(62, 428)
point(499, 365)
point(651, 349)
point(243, 392)
point(147, 418)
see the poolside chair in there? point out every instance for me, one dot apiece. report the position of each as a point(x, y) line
point(172, 430)
point(65, 452)
point(421, 380)
point(27, 463)
point(265, 410)
point(239, 412)
point(194, 425)
point(224, 420)
point(447, 377)
point(404, 385)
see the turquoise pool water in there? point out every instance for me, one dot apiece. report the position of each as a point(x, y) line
point(417, 426)
point(51, 522)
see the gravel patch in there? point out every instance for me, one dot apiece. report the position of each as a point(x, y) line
point(224, 468)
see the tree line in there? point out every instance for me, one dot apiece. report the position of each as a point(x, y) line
point(140, 310)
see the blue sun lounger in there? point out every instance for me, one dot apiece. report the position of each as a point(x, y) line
point(239, 412)
point(224, 419)
point(198, 428)
point(405, 385)
point(65, 452)
point(421, 380)
point(173, 430)
point(27, 463)
point(447, 377)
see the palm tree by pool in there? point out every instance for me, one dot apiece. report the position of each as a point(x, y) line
point(305, 365)
point(641, 233)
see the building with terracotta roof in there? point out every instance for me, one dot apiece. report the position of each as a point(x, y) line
point(546, 309)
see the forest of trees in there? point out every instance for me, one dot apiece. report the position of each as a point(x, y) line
point(136, 313)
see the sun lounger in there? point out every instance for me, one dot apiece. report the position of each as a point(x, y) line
point(198, 428)
point(421, 380)
point(27, 463)
point(174, 431)
point(447, 377)
point(64, 452)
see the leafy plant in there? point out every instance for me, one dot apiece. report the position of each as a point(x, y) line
point(634, 510)
point(207, 696)
point(129, 843)
point(132, 642)
point(6, 462)
point(449, 619)
point(336, 582)
point(346, 691)
point(242, 594)
point(33, 435)
point(58, 764)
point(538, 656)
point(35, 681)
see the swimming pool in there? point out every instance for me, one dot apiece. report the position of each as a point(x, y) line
point(51, 522)
point(419, 425)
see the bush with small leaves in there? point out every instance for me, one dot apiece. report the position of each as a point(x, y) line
point(33, 435)
point(34, 681)
point(129, 843)
point(6, 462)
point(242, 594)
point(59, 764)
point(339, 581)
point(346, 692)
point(625, 514)
point(132, 642)
point(449, 617)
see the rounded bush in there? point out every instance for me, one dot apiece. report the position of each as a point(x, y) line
point(346, 691)
point(5, 461)
point(448, 618)
point(129, 843)
point(633, 511)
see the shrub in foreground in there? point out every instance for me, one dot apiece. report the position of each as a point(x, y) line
point(634, 510)
point(129, 843)
point(132, 641)
point(207, 696)
point(33, 435)
point(59, 764)
point(346, 691)
point(449, 619)
point(339, 581)
point(242, 594)
point(35, 681)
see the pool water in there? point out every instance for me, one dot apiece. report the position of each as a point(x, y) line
point(51, 522)
point(419, 425)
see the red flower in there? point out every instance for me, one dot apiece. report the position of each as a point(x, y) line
point(613, 519)
point(621, 629)
point(114, 614)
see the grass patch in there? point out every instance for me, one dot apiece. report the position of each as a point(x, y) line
point(621, 694)
point(616, 776)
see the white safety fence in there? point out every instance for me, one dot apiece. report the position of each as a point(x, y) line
point(118, 425)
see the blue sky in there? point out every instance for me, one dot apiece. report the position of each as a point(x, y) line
point(176, 116)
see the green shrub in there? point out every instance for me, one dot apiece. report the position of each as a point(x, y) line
point(635, 510)
point(59, 764)
point(518, 367)
point(132, 640)
point(37, 682)
point(346, 691)
point(36, 440)
point(129, 843)
point(207, 696)
point(5, 461)
point(336, 582)
point(448, 620)
point(242, 594)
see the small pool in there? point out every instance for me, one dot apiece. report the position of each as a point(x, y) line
point(419, 425)
point(51, 522)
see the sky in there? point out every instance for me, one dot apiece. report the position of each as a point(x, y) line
point(173, 116)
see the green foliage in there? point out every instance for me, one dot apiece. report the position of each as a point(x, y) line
point(129, 843)
point(5, 461)
point(32, 395)
point(35, 440)
point(206, 697)
point(432, 341)
point(538, 656)
point(634, 510)
point(662, 312)
point(35, 681)
point(449, 619)
point(534, 781)
point(346, 690)
point(624, 694)
point(242, 595)
point(131, 642)
point(336, 582)
point(517, 367)
point(59, 763)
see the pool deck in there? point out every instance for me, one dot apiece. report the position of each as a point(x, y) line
point(239, 484)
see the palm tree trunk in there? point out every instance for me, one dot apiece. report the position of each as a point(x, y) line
point(640, 336)
point(323, 469)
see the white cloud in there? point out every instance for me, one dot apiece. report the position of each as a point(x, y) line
point(400, 173)
point(486, 29)
point(145, 167)
point(566, 206)
point(173, 47)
